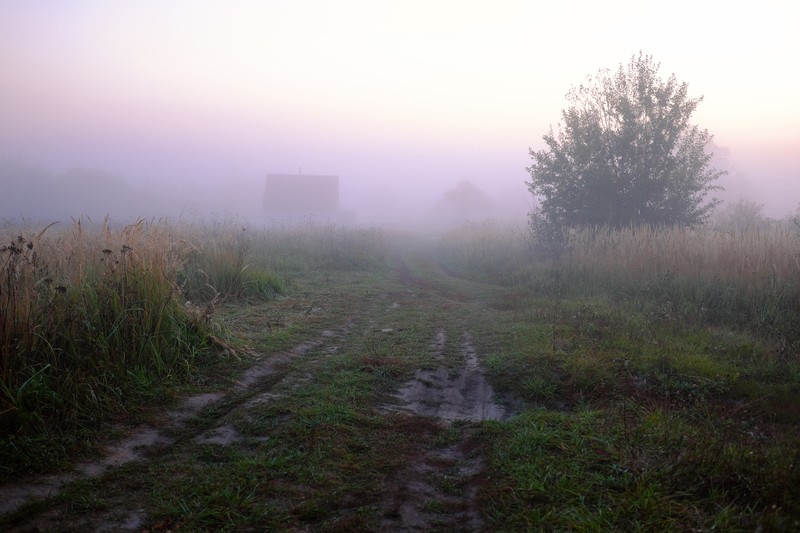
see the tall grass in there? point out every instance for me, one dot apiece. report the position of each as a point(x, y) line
point(755, 260)
point(230, 259)
point(95, 319)
point(219, 263)
point(747, 279)
point(297, 249)
point(491, 251)
point(744, 279)
point(86, 315)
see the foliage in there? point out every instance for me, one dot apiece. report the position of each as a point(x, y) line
point(465, 201)
point(93, 319)
point(623, 414)
point(626, 154)
point(314, 247)
point(740, 216)
point(35, 193)
point(489, 250)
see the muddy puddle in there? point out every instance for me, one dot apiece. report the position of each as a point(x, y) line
point(440, 394)
point(438, 490)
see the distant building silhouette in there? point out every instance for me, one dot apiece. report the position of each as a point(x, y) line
point(298, 197)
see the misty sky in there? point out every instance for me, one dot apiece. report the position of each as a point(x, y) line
point(403, 100)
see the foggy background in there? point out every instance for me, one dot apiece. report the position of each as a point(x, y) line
point(424, 110)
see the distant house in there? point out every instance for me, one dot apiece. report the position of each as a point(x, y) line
point(298, 195)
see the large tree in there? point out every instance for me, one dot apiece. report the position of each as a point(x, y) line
point(625, 153)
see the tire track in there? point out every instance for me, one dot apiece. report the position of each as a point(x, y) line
point(467, 396)
point(253, 385)
point(438, 490)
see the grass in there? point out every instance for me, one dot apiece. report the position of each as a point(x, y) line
point(651, 406)
point(87, 317)
point(97, 321)
point(747, 279)
point(218, 264)
point(629, 429)
point(634, 409)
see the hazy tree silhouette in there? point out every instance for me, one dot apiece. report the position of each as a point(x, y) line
point(625, 153)
point(466, 200)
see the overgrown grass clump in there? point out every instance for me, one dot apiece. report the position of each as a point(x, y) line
point(229, 259)
point(491, 252)
point(90, 318)
point(659, 376)
point(748, 279)
point(220, 264)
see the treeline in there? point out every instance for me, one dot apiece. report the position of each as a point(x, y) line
point(33, 193)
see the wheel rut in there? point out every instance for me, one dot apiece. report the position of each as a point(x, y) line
point(438, 490)
point(465, 396)
point(256, 384)
point(444, 402)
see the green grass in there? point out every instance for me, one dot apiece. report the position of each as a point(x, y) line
point(635, 468)
point(96, 321)
point(90, 325)
point(639, 417)
point(630, 413)
point(739, 280)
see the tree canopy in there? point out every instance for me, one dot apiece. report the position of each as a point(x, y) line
point(625, 153)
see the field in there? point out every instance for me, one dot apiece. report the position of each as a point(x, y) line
point(217, 376)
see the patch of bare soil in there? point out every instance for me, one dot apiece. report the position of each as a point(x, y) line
point(438, 490)
point(139, 442)
point(465, 396)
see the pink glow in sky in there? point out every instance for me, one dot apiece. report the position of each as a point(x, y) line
point(401, 99)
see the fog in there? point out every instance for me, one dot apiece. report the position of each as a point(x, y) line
point(143, 110)
point(408, 188)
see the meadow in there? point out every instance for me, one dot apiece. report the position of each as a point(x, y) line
point(96, 319)
point(651, 376)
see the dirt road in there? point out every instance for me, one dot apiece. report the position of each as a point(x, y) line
point(365, 422)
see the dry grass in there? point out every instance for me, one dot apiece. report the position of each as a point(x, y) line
point(746, 279)
point(94, 319)
point(753, 260)
point(87, 312)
